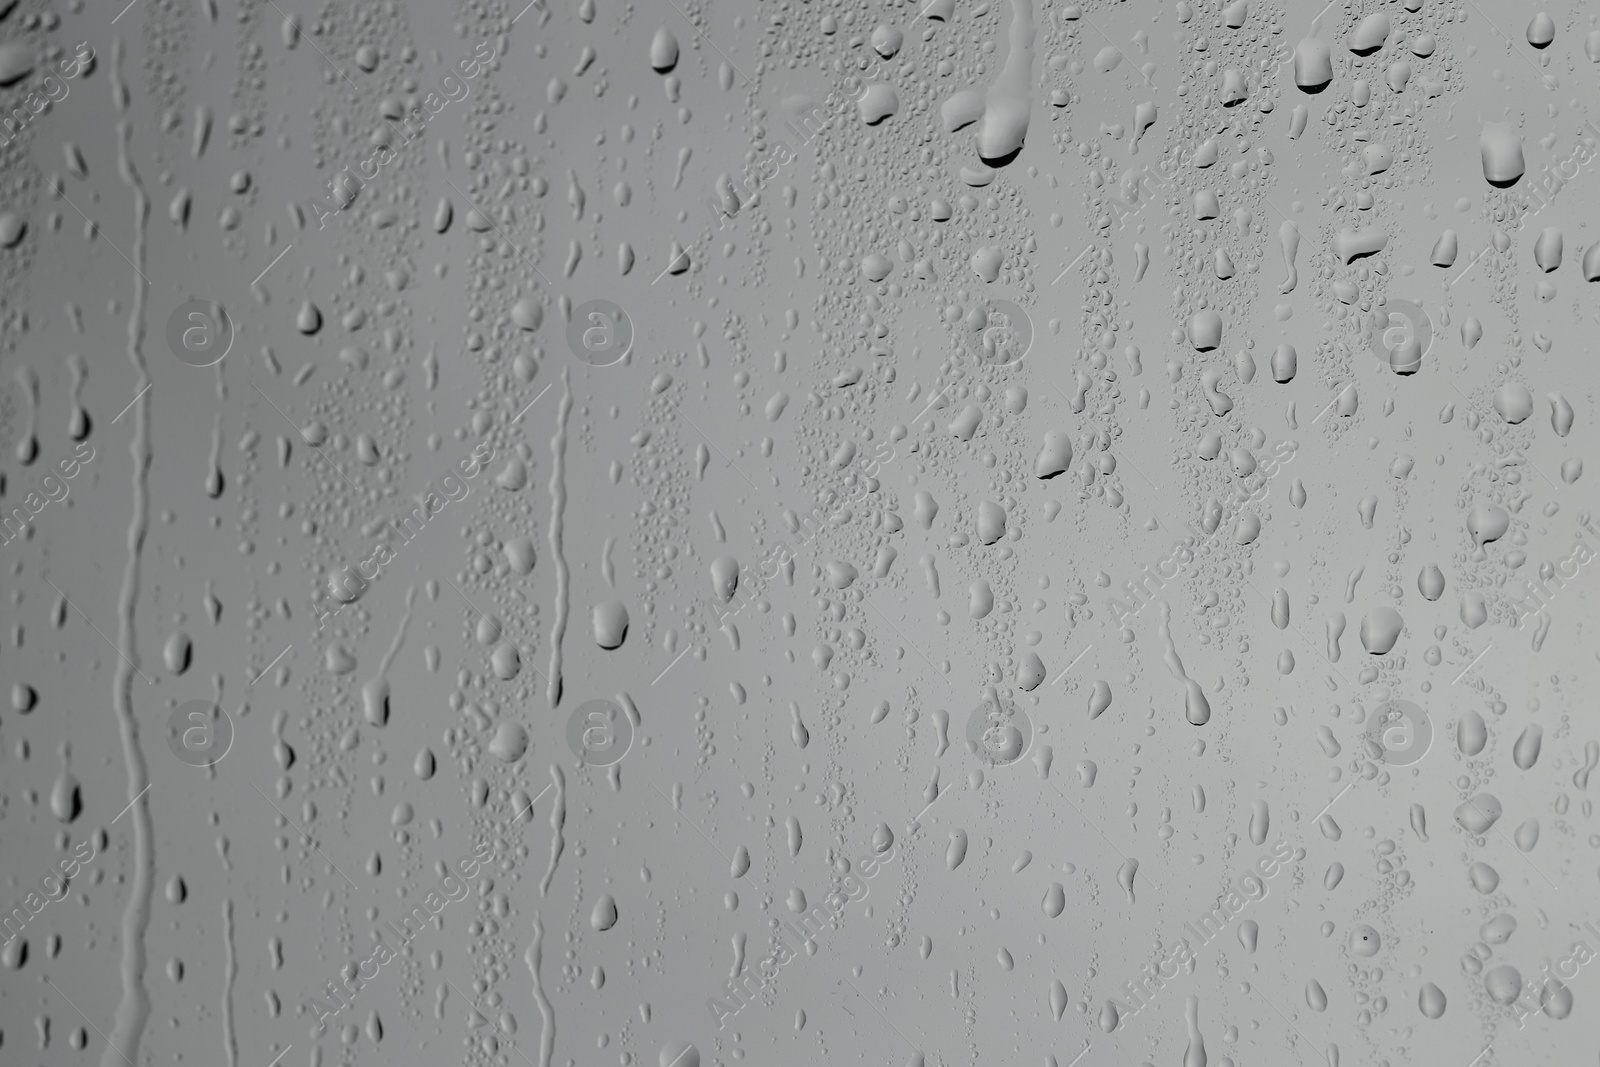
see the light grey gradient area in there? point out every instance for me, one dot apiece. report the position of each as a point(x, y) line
point(755, 532)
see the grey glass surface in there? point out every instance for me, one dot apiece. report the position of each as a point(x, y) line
point(671, 534)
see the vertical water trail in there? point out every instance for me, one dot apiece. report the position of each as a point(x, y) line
point(230, 1039)
point(78, 421)
point(28, 443)
point(558, 820)
point(214, 483)
point(134, 1009)
point(399, 638)
point(1197, 709)
point(558, 509)
point(534, 958)
point(1194, 1055)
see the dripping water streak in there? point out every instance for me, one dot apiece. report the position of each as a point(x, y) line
point(230, 1039)
point(558, 819)
point(558, 507)
point(399, 636)
point(134, 1009)
point(28, 443)
point(534, 959)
